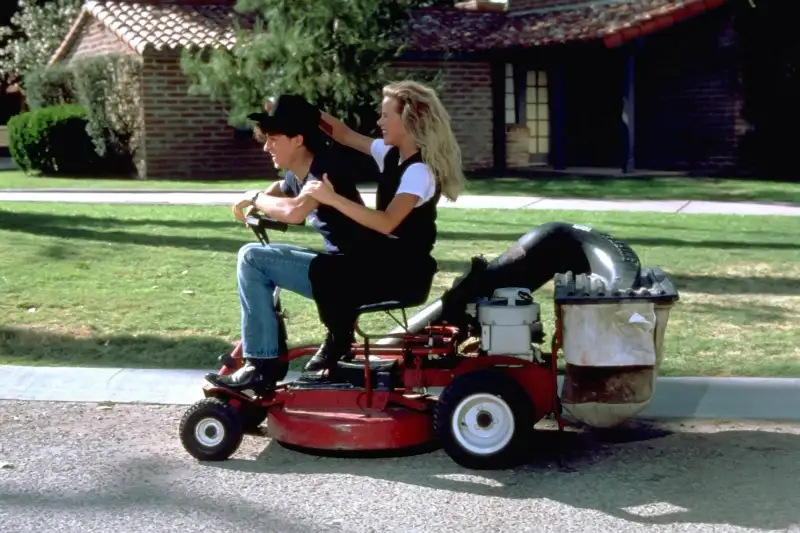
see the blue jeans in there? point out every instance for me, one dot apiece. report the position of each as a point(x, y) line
point(259, 270)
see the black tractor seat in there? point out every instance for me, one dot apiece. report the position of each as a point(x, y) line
point(390, 305)
point(387, 307)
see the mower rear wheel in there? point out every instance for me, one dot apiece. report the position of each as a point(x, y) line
point(211, 430)
point(484, 421)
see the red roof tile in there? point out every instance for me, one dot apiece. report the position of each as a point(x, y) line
point(612, 22)
point(160, 27)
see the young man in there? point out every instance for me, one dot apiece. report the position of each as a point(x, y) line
point(295, 142)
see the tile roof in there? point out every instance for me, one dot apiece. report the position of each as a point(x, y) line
point(612, 22)
point(154, 27)
point(160, 27)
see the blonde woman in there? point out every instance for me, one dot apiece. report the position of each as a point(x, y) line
point(420, 161)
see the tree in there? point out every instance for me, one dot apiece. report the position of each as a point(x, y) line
point(36, 31)
point(333, 52)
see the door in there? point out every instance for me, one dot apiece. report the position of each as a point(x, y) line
point(537, 116)
point(593, 110)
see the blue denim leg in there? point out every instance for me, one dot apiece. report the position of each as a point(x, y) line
point(259, 270)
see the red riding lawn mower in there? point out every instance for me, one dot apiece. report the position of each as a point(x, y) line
point(480, 344)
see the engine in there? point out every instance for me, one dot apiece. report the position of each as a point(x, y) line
point(510, 323)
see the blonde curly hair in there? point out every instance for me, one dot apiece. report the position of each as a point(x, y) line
point(428, 122)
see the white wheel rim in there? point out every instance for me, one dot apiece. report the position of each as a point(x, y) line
point(483, 424)
point(209, 432)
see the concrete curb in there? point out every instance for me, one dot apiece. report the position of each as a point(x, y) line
point(674, 398)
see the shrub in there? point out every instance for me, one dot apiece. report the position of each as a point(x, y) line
point(49, 86)
point(53, 140)
point(108, 87)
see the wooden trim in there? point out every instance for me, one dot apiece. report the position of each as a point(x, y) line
point(558, 135)
point(498, 73)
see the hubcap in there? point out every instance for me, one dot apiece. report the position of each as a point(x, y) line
point(483, 424)
point(209, 432)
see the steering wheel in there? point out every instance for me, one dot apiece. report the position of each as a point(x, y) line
point(261, 223)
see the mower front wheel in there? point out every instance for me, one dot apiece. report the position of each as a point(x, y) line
point(484, 421)
point(211, 430)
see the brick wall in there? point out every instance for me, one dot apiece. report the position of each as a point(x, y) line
point(524, 5)
point(688, 102)
point(466, 93)
point(188, 136)
point(96, 39)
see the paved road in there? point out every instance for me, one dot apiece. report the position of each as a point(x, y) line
point(466, 201)
point(75, 468)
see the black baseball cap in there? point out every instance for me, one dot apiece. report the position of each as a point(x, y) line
point(290, 115)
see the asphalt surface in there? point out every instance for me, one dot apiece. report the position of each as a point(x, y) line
point(86, 468)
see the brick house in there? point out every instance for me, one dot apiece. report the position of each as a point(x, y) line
point(532, 84)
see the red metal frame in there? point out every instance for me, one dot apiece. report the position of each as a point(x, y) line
point(367, 419)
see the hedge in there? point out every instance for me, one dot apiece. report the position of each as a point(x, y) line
point(53, 140)
point(107, 88)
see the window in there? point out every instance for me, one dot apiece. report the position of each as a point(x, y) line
point(537, 115)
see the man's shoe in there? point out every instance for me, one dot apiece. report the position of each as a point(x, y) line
point(260, 375)
point(327, 356)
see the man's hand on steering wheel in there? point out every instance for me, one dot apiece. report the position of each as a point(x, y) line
point(245, 206)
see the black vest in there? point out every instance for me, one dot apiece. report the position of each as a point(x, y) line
point(416, 234)
point(340, 233)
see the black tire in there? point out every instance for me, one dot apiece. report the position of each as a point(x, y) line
point(252, 417)
point(218, 417)
point(509, 397)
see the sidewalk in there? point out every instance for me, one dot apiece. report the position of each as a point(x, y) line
point(161, 197)
point(681, 398)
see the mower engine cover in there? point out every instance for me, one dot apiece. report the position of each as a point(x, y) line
point(510, 321)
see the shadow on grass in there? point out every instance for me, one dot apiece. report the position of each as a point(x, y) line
point(717, 285)
point(36, 346)
point(720, 285)
point(741, 314)
point(11, 219)
point(64, 226)
point(639, 465)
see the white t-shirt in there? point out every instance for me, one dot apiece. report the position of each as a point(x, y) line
point(418, 178)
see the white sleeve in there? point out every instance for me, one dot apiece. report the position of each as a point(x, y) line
point(419, 181)
point(378, 148)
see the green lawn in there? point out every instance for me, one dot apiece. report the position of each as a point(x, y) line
point(155, 286)
point(710, 189)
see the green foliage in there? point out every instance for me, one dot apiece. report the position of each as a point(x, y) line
point(108, 87)
point(48, 86)
point(335, 53)
point(36, 31)
point(53, 140)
